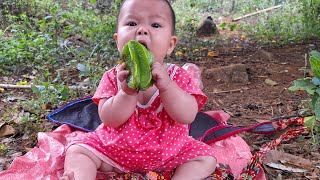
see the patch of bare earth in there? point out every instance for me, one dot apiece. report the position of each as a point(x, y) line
point(261, 95)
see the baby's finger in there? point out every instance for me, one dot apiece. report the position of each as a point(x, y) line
point(155, 68)
point(127, 89)
point(68, 175)
point(155, 65)
point(122, 66)
point(122, 75)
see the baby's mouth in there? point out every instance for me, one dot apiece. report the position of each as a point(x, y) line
point(144, 44)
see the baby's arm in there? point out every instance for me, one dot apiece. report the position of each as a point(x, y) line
point(181, 106)
point(118, 109)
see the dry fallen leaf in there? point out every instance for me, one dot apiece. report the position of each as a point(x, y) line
point(17, 116)
point(287, 162)
point(213, 54)
point(6, 130)
point(6, 79)
point(22, 83)
point(15, 155)
point(195, 50)
point(28, 149)
point(286, 168)
point(15, 98)
point(178, 53)
point(44, 107)
point(313, 176)
point(238, 46)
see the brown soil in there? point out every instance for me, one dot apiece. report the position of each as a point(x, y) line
point(256, 101)
point(247, 103)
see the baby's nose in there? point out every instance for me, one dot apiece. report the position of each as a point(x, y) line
point(142, 31)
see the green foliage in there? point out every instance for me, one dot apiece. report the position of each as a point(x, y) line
point(315, 64)
point(24, 122)
point(312, 87)
point(188, 6)
point(304, 85)
point(47, 38)
point(296, 20)
point(310, 11)
point(231, 26)
point(3, 149)
point(50, 95)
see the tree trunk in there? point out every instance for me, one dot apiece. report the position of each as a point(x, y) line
point(64, 4)
point(222, 7)
point(233, 5)
point(85, 4)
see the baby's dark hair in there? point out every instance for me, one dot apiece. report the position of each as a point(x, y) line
point(173, 16)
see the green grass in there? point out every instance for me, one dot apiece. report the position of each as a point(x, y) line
point(295, 21)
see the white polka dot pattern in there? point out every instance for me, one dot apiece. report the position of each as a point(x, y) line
point(148, 140)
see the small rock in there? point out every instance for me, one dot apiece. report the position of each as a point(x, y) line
point(269, 56)
point(270, 82)
point(235, 73)
point(239, 76)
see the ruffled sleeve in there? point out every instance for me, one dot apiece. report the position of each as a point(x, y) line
point(186, 82)
point(108, 86)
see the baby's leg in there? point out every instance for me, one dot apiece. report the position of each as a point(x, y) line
point(80, 163)
point(196, 169)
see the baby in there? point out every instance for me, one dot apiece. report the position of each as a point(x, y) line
point(144, 131)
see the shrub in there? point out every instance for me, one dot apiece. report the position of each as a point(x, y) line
point(312, 105)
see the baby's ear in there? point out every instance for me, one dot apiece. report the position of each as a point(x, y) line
point(173, 43)
point(115, 36)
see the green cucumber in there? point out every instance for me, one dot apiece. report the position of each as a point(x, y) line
point(139, 60)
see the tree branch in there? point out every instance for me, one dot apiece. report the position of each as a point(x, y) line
point(257, 12)
point(12, 86)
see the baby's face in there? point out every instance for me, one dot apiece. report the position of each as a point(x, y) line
point(148, 22)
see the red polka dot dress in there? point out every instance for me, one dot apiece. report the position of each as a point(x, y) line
point(150, 140)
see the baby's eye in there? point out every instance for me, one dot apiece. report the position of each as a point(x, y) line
point(131, 24)
point(156, 25)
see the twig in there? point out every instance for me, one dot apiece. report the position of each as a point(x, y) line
point(260, 142)
point(257, 118)
point(234, 90)
point(257, 12)
point(12, 86)
point(305, 65)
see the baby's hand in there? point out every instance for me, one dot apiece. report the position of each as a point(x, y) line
point(122, 75)
point(68, 175)
point(160, 76)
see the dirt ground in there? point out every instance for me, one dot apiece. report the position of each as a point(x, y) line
point(248, 102)
point(255, 101)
